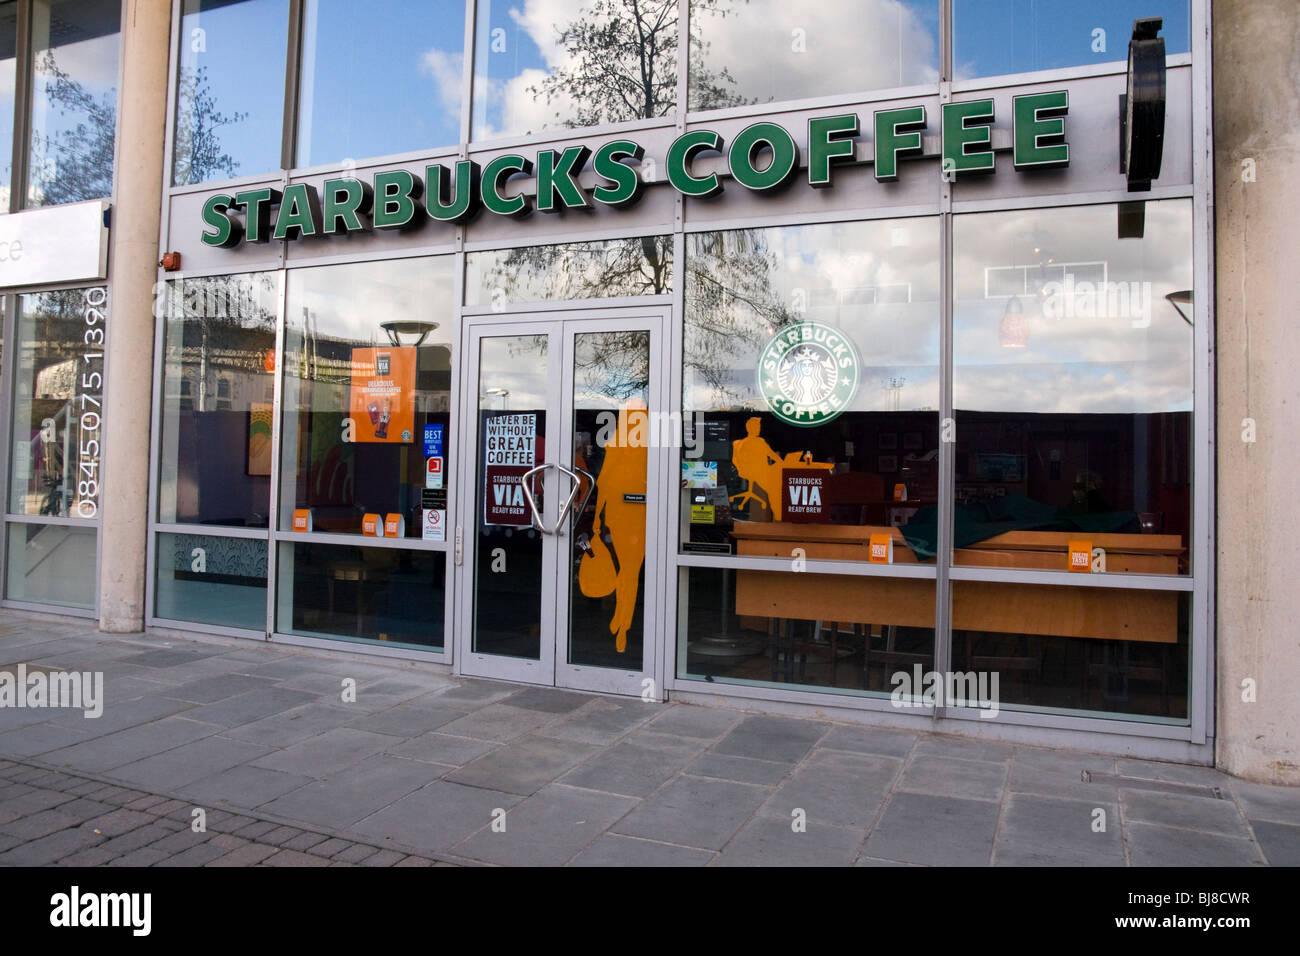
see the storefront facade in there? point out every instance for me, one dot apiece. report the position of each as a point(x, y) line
point(795, 359)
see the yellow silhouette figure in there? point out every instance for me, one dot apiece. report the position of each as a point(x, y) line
point(622, 473)
point(759, 464)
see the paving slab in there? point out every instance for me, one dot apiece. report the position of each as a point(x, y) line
point(548, 828)
point(325, 754)
point(837, 789)
point(772, 738)
point(934, 830)
point(436, 816)
point(771, 841)
point(352, 793)
point(523, 766)
point(177, 767)
point(694, 811)
point(1048, 831)
point(1181, 810)
point(1279, 841)
point(614, 850)
point(953, 777)
point(1150, 845)
point(446, 750)
point(245, 787)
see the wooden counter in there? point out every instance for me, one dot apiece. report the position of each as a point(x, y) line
point(998, 607)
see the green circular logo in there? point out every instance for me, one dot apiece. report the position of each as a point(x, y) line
point(808, 373)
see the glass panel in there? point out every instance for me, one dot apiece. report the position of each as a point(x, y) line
point(75, 47)
point(1072, 382)
point(577, 270)
point(995, 37)
point(211, 580)
point(58, 403)
point(511, 439)
point(810, 388)
point(367, 390)
point(52, 564)
point(1090, 649)
point(375, 92)
point(218, 392)
point(554, 65)
point(229, 99)
point(611, 442)
point(820, 631)
point(388, 595)
point(765, 50)
point(8, 79)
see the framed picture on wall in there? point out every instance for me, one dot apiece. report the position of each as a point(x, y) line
point(887, 441)
point(887, 464)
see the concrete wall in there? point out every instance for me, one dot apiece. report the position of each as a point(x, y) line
point(133, 264)
point(1256, 46)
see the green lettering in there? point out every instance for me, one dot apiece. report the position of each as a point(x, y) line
point(628, 186)
point(1040, 130)
point(747, 145)
point(346, 202)
point(229, 230)
point(966, 125)
point(490, 188)
point(823, 151)
point(460, 207)
point(680, 155)
point(258, 203)
point(898, 133)
point(560, 178)
point(299, 213)
point(397, 199)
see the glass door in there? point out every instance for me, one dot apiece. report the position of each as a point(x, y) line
point(560, 575)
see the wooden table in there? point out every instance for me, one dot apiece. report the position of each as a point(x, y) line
point(989, 606)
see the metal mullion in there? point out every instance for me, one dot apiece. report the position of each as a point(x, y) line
point(1119, 581)
point(360, 541)
point(683, 56)
point(292, 87)
point(675, 335)
point(277, 435)
point(467, 79)
point(169, 127)
point(1201, 666)
point(9, 303)
point(945, 41)
point(210, 530)
point(451, 592)
point(155, 441)
point(947, 419)
point(22, 105)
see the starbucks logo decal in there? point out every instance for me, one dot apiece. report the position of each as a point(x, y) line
point(808, 373)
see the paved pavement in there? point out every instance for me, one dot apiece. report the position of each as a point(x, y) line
point(425, 768)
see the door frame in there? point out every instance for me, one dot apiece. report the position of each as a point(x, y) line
point(551, 668)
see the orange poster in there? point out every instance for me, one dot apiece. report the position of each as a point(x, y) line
point(383, 394)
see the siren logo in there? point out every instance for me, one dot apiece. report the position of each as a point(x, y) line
point(808, 373)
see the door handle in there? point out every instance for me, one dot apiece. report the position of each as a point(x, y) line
point(568, 502)
point(524, 481)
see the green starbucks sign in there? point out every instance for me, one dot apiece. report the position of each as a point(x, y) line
point(808, 373)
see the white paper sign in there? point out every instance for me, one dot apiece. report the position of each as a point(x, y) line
point(435, 524)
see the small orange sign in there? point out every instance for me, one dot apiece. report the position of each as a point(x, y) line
point(302, 520)
point(882, 549)
point(900, 492)
point(370, 526)
point(394, 526)
point(1081, 556)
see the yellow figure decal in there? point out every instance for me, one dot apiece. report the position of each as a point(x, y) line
point(761, 466)
point(622, 476)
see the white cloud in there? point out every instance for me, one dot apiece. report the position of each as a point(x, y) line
point(446, 69)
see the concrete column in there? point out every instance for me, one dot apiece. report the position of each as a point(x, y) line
point(133, 265)
point(1256, 48)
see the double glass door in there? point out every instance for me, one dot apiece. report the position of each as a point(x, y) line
point(559, 547)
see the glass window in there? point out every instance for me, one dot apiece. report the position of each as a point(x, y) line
point(8, 81)
point(211, 580)
point(821, 631)
point(375, 92)
point(58, 403)
point(576, 63)
point(810, 387)
point(367, 384)
point(52, 564)
point(575, 270)
point(388, 595)
point(1072, 384)
point(230, 89)
point(1072, 648)
point(995, 37)
point(218, 392)
point(760, 51)
point(75, 47)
